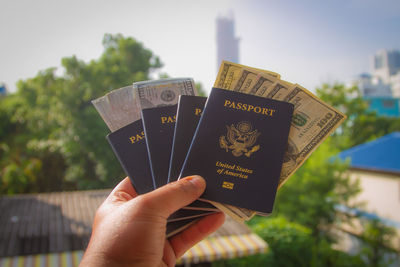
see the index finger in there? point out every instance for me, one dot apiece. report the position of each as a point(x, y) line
point(123, 192)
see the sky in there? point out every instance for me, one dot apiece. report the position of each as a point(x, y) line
point(309, 42)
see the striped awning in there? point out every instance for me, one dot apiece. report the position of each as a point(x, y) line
point(210, 249)
point(224, 247)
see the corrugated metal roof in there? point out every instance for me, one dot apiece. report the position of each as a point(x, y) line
point(55, 228)
point(382, 154)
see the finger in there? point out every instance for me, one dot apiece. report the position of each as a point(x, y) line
point(195, 233)
point(123, 192)
point(173, 196)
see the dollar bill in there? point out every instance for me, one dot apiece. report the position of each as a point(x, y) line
point(163, 92)
point(278, 91)
point(118, 108)
point(229, 73)
point(262, 84)
point(247, 80)
point(232, 211)
point(313, 121)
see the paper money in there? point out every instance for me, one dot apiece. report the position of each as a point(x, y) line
point(313, 121)
point(118, 108)
point(278, 91)
point(229, 73)
point(164, 92)
point(246, 81)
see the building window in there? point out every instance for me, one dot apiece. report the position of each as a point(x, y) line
point(378, 62)
point(388, 103)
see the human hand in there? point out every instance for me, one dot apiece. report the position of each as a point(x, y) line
point(129, 229)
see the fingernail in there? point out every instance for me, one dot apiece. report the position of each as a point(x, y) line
point(197, 180)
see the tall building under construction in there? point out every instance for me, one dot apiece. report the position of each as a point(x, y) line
point(227, 42)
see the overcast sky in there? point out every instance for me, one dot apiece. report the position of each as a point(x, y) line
point(308, 42)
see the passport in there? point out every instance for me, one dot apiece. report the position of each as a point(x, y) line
point(129, 146)
point(159, 125)
point(187, 117)
point(187, 214)
point(178, 226)
point(238, 148)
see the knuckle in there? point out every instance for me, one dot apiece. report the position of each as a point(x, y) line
point(144, 202)
point(183, 186)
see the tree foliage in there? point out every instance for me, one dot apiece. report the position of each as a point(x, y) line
point(51, 136)
point(362, 125)
point(311, 195)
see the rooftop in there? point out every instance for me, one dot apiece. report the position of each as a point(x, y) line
point(382, 154)
point(57, 227)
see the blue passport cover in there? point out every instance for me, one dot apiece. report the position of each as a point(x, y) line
point(187, 118)
point(159, 125)
point(129, 146)
point(238, 148)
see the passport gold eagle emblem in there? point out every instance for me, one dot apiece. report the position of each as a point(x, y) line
point(240, 139)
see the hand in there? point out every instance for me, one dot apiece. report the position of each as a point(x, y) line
point(129, 229)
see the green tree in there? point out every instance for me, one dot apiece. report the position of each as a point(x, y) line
point(377, 243)
point(362, 125)
point(291, 244)
point(311, 195)
point(51, 129)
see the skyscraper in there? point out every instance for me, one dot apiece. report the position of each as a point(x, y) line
point(227, 43)
point(384, 81)
point(386, 63)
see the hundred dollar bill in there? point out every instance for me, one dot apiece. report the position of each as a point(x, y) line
point(229, 73)
point(163, 92)
point(247, 80)
point(233, 212)
point(312, 122)
point(262, 84)
point(118, 108)
point(279, 90)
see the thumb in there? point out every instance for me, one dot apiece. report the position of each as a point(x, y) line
point(173, 196)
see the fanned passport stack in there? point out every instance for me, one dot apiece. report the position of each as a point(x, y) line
point(246, 139)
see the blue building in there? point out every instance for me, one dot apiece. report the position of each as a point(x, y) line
point(3, 89)
point(384, 106)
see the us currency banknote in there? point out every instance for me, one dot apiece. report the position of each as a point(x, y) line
point(163, 92)
point(118, 108)
point(229, 73)
point(253, 83)
point(313, 121)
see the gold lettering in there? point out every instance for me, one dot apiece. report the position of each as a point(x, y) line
point(136, 138)
point(168, 119)
point(249, 108)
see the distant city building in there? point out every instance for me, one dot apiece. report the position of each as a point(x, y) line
point(384, 106)
point(227, 43)
point(384, 81)
point(385, 64)
point(3, 89)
